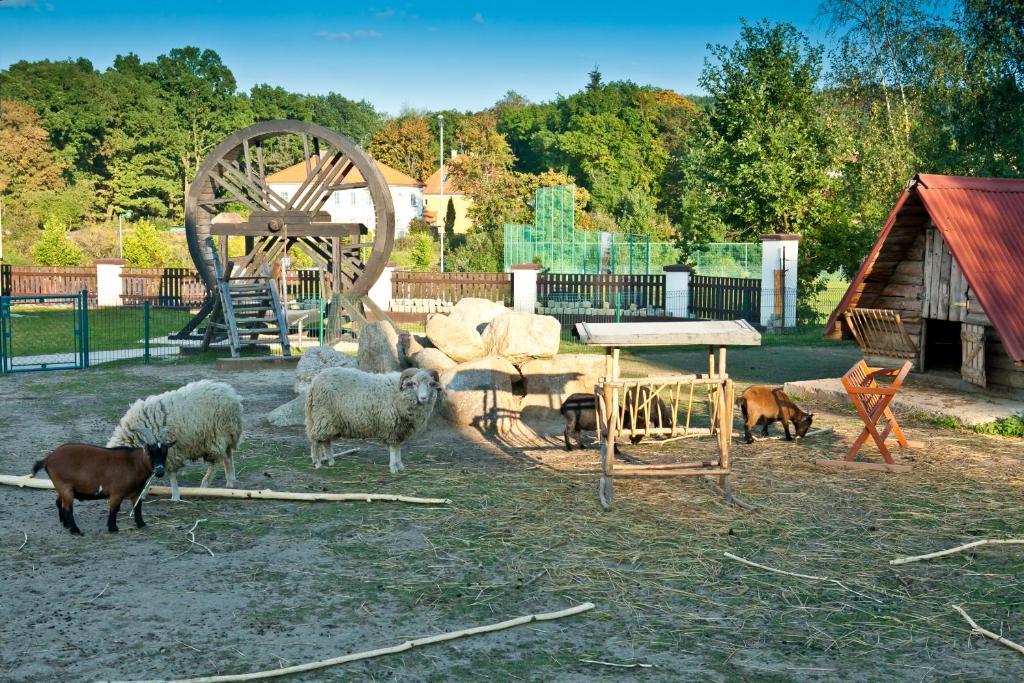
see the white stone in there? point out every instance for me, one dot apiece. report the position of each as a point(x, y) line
point(519, 337)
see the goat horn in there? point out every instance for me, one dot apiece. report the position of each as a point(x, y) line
point(146, 433)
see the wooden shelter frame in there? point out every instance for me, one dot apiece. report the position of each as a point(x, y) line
point(618, 399)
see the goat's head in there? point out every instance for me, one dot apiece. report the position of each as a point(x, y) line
point(803, 424)
point(156, 448)
point(425, 384)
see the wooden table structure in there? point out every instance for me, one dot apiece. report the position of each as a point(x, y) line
point(627, 407)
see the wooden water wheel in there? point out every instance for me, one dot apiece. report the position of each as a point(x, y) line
point(235, 173)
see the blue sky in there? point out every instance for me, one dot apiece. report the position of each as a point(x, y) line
point(397, 54)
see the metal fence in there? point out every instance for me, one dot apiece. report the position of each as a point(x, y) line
point(54, 332)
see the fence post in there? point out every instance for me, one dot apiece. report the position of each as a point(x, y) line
point(145, 332)
point(84, 326)
point(677, 290)
point(524, 287)
point(380, 291)
point(108, 281)
point(778, 278)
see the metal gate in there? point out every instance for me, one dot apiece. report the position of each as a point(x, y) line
point(44, 332)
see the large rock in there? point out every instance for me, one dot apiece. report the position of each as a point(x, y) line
point(380, 349)
point(479, 394)
point(455, 337)
point(432, 359)
point(316, 359)
point(549, 381)
point(291, 414)
point(477, 312)
point(520, 337)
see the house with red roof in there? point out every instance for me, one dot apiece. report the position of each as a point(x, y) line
point(942, 286)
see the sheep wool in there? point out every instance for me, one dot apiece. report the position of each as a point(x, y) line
point(204, 418)
point(348, 403)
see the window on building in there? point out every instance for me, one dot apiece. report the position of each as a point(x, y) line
point(412, 200)
point(353, 195)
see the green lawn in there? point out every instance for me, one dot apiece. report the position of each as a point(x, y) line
point(37, 330)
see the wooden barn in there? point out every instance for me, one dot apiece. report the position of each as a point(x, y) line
point(943, 285)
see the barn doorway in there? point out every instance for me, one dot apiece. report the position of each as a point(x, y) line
point(943, 347)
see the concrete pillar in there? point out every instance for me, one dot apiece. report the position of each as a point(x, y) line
point(524, 287)
point(677, 290)
point(108, 281)
point(778, 279)
point(380, 291)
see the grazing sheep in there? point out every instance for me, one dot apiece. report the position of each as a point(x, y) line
point(84, 472)
point(204, 418)
point(580, 412)
point(349, 403)
point(762, 404)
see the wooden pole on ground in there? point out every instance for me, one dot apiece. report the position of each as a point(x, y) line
point(380, 652)
point(959, 548)
point(259, 494)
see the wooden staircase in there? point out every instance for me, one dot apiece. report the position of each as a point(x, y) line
point(246, 310)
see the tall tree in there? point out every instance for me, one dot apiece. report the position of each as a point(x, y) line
point(202, 92)
point(407, 144)
point(27, 161)
point(770, 164)
point(357, 120)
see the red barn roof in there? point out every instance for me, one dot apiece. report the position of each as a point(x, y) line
point(982, 222)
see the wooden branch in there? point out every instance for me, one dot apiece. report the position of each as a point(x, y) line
point(27, 481)
point(380, 652)
point(959, 548)
point(799, 576)
point(732, 497)
point(988, 634)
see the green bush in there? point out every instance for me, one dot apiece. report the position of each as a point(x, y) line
point(54, 248)
point(145, 247)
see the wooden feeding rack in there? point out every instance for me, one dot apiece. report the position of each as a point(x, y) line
point(627, 406)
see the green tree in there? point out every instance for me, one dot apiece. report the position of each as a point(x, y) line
point(54, 248)
point(72, 103)
point(770, 165)
point(449, 221)
point(145, 247)
point(423, 252)
point(357, 120)
point(201, 92)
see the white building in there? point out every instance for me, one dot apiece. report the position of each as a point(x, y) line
point(354, 205)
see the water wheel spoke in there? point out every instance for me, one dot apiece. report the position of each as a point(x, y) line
point(318, 195)
point(310, 176)
point(236, 194)
point(257, 185)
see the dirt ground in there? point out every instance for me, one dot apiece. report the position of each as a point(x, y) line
point(294, 582)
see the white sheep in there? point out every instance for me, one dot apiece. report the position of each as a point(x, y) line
point(205, 419)
point(349, 403)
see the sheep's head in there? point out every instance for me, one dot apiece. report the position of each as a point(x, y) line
point(425, 384)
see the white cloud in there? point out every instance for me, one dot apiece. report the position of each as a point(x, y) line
point(386, 13)
point(349, 36)
point(16, 4)
point(478, 18)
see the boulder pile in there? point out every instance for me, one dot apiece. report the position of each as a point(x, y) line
point(495, 364)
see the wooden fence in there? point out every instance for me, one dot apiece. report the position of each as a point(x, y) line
point(451, 287)
point(602, 291)
point(303, 284)
point(43, 280)
point(167, 287)
point(725, 298)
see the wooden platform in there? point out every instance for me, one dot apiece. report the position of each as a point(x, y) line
point(678, 333)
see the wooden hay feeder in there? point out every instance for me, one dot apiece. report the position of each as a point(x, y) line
point(626, 406)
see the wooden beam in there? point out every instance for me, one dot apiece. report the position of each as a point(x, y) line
point(308, 230)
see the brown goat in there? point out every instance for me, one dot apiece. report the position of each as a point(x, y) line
point(86, 472)
point(762, 404)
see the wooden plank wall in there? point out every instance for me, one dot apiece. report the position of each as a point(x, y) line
point(903, 290)
point(999, 366)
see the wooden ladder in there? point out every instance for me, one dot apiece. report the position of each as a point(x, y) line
point(244, 310)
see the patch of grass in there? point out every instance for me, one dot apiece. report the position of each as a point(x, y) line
point(1012, 426)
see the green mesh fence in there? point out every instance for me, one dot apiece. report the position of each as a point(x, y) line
point(554, 242)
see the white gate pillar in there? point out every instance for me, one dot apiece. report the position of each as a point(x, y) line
point(778, 279)
point(380, 291)
point(524, 287)
point(108, 281)
point(677, 290)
